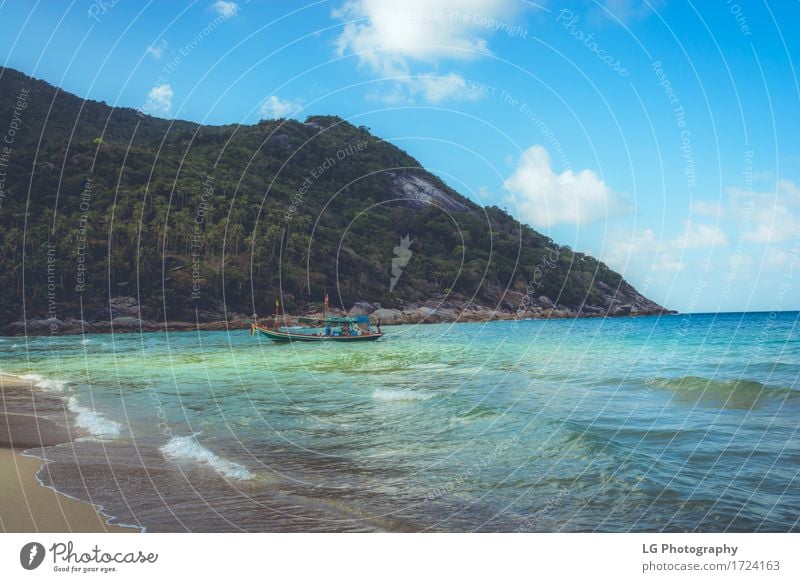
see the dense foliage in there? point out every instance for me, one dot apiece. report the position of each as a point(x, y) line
point(100, 202)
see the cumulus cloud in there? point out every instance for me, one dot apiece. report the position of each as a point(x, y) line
point(157, 49)
point(699, 236)
point(432, 88)
point(623, 248)
point(436, 89)
point(225, 9)
point(767, 216)
point(159, 100)
point(778, 258)
point(545, 198)
point(765, 226)
point(390, 36)
point(643, 249)
point(274, 108)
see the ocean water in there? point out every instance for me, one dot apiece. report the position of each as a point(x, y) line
point(677, 423)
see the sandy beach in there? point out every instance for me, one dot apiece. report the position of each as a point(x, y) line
point(25, 504)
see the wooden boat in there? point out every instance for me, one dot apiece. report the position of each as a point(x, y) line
point(334, 329)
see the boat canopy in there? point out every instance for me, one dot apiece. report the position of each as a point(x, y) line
point(331, 319)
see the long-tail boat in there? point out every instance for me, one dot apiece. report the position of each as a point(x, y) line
point(324, 329)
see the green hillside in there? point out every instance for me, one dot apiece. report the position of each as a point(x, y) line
point(100, 203)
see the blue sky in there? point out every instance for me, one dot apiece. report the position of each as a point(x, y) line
point(659, 136)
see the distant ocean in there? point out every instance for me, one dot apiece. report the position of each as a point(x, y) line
point(675, 423)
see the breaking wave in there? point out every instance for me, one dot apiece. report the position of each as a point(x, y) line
point(735, 393)
point(391, 395)
point(44, 383)
point(94, 422)
point(187, 448)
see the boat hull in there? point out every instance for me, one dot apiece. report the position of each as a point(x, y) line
point(288, 336)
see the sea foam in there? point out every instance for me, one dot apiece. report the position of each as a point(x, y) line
point(187, 448)
point(44, 383)
point(93, 421)
point(382, 394)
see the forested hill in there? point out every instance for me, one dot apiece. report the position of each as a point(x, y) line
point(99, 203)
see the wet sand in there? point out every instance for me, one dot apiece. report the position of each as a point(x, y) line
point(25, 504)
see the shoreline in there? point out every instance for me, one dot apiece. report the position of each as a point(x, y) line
point(45, 327)
point(26, 504)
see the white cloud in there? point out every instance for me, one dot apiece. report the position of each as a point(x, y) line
point(545, 198)
point(711, 208)
point(389, 36)
point(698, 236)
point(644, 251)
point(790, 190)
point(159, 100)
point(786, 259)
point(275, 108)
point(225, 9)
point(776, 258)
point(772, 225)
point(436, 89)
point(765, 225)
point(767, 217)
point(157, 49)
point(640, 249)
point(432, 88)
point(740, 246)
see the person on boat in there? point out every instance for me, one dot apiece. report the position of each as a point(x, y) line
point(379, 326)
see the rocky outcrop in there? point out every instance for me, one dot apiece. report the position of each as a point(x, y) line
point(123, 314)
point(420, 193)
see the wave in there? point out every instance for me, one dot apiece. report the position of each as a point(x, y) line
point(187, 448)
point(94, 422)
point(396, 395)
point(44, 383)
point(735, 393)
point(477, 412)
point(436, 367)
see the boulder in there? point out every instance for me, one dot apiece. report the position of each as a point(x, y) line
point(280, 141)
point(386, 316)
point(545, 301)
point(361, 308)
point(134, 323)
point(620, 310)
point(46, 325)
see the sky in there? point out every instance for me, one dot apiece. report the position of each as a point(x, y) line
point(659, 136)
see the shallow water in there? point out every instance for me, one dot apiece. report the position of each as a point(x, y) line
point(678, 423)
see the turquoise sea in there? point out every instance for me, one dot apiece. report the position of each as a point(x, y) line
point(675, 423)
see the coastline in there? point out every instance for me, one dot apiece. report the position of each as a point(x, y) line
point(128, 318)
point(26, 505)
